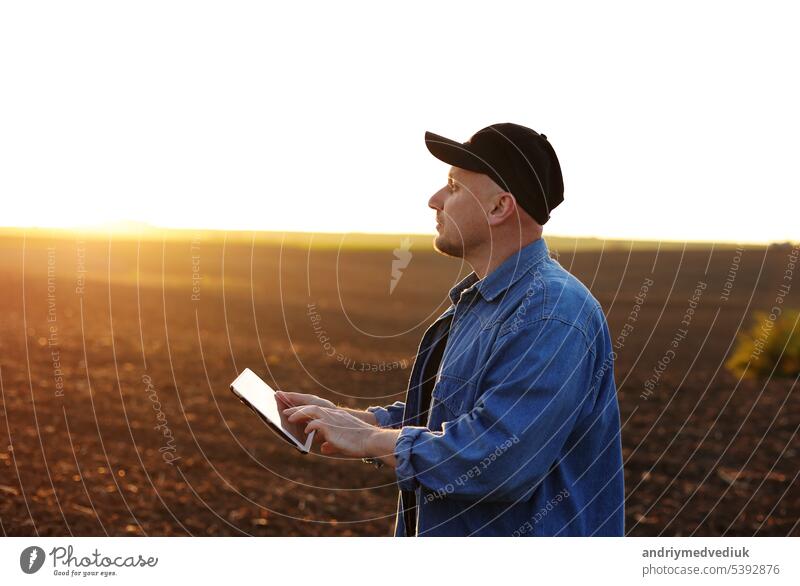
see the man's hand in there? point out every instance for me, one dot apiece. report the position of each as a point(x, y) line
point(341, 432)
point(301, 399)
point(298, 399)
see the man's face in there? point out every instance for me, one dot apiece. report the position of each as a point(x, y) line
point(461, 207)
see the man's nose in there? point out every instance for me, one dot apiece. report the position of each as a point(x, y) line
point(435, 202)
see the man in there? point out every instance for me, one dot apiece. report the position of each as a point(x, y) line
point(511, 424)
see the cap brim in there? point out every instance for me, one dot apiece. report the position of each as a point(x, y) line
point(455, 153)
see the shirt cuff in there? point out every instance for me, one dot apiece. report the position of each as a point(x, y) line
point(406, 476)
point(382, 416)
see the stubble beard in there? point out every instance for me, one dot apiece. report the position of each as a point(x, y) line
point(448, 248)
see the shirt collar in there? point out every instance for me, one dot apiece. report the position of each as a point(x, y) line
point(463, 285)
point(508, 273)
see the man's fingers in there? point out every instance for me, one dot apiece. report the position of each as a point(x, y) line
point(296, 414)
point(315, 425)
point(299, 399)
point(303, 412)
point(292, 398)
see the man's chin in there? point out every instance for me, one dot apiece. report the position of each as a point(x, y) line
point(444, 246)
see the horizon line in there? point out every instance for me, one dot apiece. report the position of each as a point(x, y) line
point(131, 227)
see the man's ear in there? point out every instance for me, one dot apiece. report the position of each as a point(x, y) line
point(503, 206)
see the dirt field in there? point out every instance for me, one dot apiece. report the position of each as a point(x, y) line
point(117, 419)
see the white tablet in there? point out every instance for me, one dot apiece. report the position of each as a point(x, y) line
point(258, 395)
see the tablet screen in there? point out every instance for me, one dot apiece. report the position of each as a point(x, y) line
point(258, 395)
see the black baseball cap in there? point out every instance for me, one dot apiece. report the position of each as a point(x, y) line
point(518, 159)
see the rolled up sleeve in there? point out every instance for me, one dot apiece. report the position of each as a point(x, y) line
point(538, 380)
point(390, 416)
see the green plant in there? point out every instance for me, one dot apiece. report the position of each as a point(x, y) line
point(773, 342)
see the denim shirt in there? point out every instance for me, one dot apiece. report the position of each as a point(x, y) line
point(523, 430)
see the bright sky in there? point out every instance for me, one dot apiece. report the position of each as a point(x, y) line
point(677, 121)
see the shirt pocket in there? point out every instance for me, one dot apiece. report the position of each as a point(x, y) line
point(453, 393)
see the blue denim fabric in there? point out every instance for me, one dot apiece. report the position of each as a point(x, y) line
point(523, 431)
